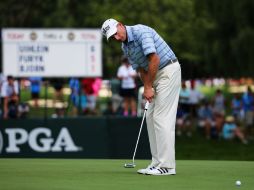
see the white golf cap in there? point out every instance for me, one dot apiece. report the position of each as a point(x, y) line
point(109, 27)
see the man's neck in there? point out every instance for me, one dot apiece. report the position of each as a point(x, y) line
point(126, 40)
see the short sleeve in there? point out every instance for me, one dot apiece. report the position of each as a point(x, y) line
point(121, 72)
point(147, 43)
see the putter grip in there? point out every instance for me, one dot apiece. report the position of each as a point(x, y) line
point(146, 105)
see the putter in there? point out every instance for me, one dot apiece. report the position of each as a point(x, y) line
point(132, 165)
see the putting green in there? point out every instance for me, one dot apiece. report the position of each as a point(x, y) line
point(76, 174)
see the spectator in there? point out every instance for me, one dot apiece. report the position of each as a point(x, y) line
point(248, 108)
point(219, 103)
point(74, 96)
point(236, 107)
point(231, 131)
point(58, 98)
point(10, 92)
point(128, 86)
point(89, 96)
point(194, 99)
point(97, 86)
point(219, 121)
point(206, 119)
point(116, 98)
point(219, 110)
point(35, 89)
point(184, 98)
point(58, 86)
point(2, 79)
point(183, 123)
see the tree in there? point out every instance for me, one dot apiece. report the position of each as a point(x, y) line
point(210, 38)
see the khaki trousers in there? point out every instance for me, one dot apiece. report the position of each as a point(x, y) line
point(161, 116)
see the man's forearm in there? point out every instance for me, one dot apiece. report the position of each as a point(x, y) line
point(153, 68)
point(143, 76)
point(148, 76)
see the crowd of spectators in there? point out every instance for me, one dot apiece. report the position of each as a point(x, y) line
point(215, 117)
point(82, 99)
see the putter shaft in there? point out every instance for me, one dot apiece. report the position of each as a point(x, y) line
point(141, 126)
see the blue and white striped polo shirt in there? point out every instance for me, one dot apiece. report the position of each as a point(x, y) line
point(143, 40)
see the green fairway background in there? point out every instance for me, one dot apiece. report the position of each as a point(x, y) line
point(45, 174)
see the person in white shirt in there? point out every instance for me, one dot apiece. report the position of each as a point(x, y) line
point(2, 79)
point(127, 76)
point(184, 97)
point(9, 93)
point(194, 99)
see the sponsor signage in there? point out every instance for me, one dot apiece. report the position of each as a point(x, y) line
point(40, 140)
point(70, 138)
point(95, 137)
point(52, 52)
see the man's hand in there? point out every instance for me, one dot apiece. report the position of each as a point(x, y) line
point(148, 76)
point(148, 94)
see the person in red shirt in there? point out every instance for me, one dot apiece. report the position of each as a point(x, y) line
point(88, 91)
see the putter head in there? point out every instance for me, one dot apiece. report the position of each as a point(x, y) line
point(129, 165)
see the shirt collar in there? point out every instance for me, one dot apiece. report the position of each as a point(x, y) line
point(129, 33)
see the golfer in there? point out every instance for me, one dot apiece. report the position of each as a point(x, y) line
point(160, 73)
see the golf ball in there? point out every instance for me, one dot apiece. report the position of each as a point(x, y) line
point(238, 183)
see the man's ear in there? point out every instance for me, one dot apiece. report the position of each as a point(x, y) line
point(120, 24)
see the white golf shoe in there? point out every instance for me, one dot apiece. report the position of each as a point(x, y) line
point(145, 170)
point(161, 171)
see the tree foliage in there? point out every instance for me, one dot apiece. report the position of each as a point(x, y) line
point(210, 38)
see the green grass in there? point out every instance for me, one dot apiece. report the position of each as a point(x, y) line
point(47, 174)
